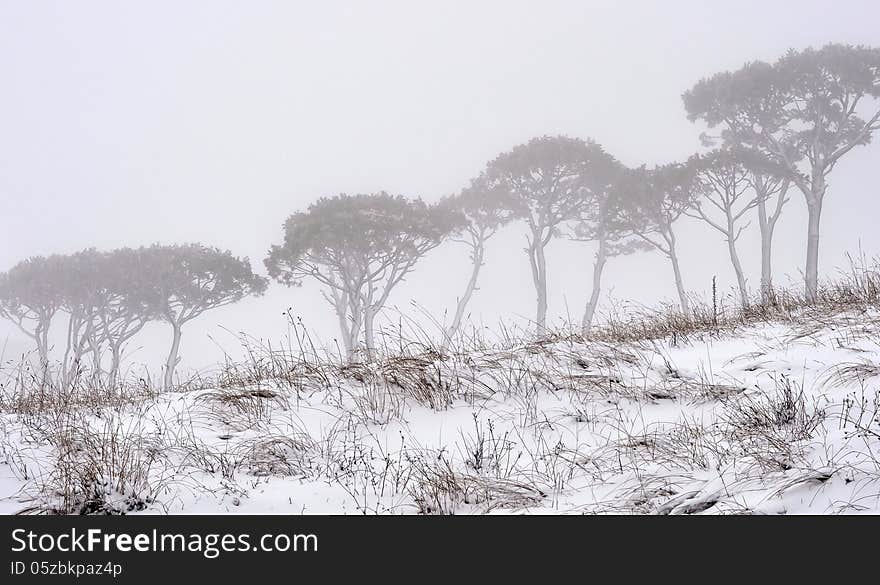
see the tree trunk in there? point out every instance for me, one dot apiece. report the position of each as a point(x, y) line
point(41, 335)
point(75, 350)
point(477, 263)
point(538, 263)
point(347, 344)
point(766, 267)
point(95, 349)
point(42, 338)
point(344, 327)
point(354, 333)
point(541, 315)
point(811, 271)
point(766, 228)
point(369, 331)
point(598, 267)
point(737, 265)
point(115, 360)
point(65, 361)
point(173, 359)
point(676, 270)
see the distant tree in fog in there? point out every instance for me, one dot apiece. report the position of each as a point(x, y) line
point(109, 297)
point(813, 104)
point(188, 279)
point(485, 210)
point(550, 181)
point(656, 199)
point(125, 305)
point(359, 247)
point(770, 183)
point(35, 291)
point(737, 180)
point(727, 193)
point(606, 222)
point(30, 299)
point(77, 279)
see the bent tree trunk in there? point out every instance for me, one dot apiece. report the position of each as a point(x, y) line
point(173, 359)
point(679, 285)
point(811, 270)
point(592, 302)
point(95, 349)
point(737, 265)
point(78, 332)
point(65, 361)
point(676, 271)
point(41, 337)
point(477, 263)
point(115, 361)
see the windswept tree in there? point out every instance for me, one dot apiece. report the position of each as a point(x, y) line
point(485, 210)
point(657, 198)
point(187, 280)
point(738, 179)
point(359, 247)
point(77, 279)
point(550, 181)
point(101, 297)
point(606, 222)
point(727, 192)
point(125, 303)
point(30, 298)
point(770, 183)
point(804, 112)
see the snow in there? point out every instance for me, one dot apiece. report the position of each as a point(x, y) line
point(762, 419)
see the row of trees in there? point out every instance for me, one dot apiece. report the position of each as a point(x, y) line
point(104, 299)
point(359, 247)
point(803, 113)
point(776, 125)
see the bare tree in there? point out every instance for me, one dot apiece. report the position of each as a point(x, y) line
point(359, 247)
point(657, 199)
point(485, 211)
point(808, 103)
point(549, 182)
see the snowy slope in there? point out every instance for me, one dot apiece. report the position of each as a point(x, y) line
point(770, 418)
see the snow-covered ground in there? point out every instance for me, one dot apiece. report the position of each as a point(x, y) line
point(777, 418)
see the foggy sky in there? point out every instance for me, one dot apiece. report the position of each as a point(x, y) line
point(125, 124)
